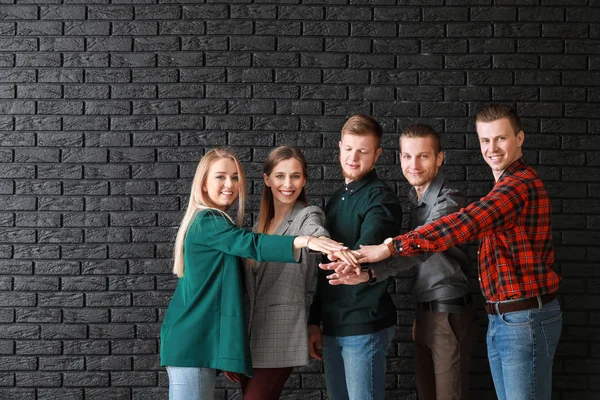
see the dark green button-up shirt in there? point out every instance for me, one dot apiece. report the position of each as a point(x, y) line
point(365, 212)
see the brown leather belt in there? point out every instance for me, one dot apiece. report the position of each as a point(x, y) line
point(519, 305)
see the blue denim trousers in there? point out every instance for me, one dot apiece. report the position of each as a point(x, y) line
point(189, 383)
point(355, 365)
point(521, 347)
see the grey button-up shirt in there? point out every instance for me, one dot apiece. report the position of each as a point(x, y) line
point(438, 276)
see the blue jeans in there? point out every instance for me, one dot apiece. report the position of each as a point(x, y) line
point(521, 347)
point(189, 383)
point(355, 365)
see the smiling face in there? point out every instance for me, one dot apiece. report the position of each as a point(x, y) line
point(286, 181)
point(500, 145)
point(358, 155)
point(419, 161)
point(222, 183)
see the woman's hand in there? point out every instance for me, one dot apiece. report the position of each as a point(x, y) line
point(315, 342)
point(233, 376)
point(322, 244)
point(350, 257)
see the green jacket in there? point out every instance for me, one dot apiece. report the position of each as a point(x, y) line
point(205, 324)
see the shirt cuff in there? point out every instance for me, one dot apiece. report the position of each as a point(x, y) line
point(397, 246)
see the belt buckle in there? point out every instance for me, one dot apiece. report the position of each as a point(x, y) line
point(430, 305)
point(492, 308)
point(540, 301)
point(425, 306)
point(502, 307)
point(496, 308)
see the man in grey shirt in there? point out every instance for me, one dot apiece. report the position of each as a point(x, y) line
point(445, 326)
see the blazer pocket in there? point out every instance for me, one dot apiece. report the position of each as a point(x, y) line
point(291, 303)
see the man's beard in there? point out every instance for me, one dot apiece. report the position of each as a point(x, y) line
point(352, 177)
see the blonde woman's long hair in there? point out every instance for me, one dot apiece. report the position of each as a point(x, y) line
point(200, 201)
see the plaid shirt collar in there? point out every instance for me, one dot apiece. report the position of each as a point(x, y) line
point(513, 168)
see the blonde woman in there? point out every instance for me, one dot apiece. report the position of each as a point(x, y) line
point(204, 329)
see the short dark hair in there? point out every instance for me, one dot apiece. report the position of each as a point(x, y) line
point(422, 131)
point(494, 112)
point(362, 125)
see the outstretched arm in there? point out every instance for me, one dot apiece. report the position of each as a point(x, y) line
point(214, 229)
point(500, 209)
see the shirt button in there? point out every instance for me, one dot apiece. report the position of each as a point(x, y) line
point(343, 198)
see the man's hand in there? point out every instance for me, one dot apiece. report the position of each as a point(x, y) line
point(350, 257)
point(371, 254)
point(339, 278)
point(315, 342)
point(320, 244)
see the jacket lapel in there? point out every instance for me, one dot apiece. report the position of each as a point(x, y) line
point(281, 230)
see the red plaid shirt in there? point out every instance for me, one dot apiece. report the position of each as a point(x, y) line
point(513, 223)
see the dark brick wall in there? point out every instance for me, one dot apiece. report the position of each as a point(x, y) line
point(106, 107)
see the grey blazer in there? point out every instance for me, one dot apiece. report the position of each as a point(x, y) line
point(277, 294)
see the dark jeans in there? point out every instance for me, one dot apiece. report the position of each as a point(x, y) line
point(444, 343)
point(266, 384)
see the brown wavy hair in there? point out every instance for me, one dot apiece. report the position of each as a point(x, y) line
point(267, 205)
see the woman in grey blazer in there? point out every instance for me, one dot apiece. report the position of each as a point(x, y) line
point(278, 293)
